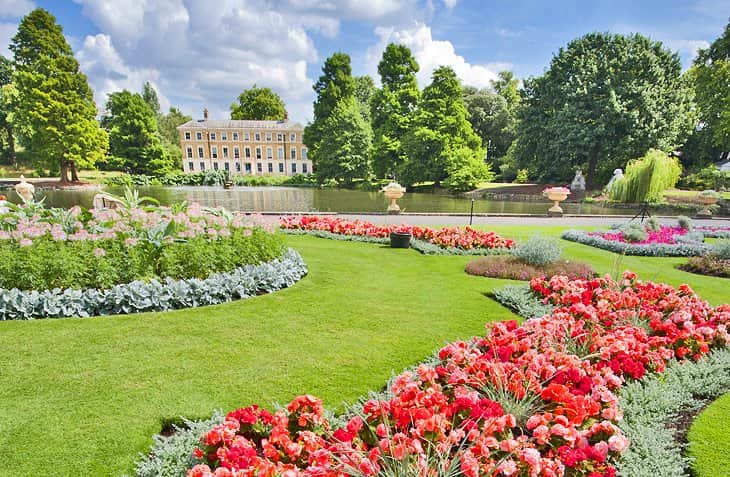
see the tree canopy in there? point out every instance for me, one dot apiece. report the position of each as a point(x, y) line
point(133, 136)
point(55, 113)
point(345, 155)
point(8, 94)
point(149, 94)
point(711, 75)
point(393, 107)
point(441, 144)
point(259, 104)
point(606, 98)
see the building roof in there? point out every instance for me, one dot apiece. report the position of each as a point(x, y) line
point(239, 124)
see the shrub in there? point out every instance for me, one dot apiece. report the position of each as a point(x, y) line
point(721, 250)
point(539, 250)
point(634, 232)
point(647, 178)
point(522, 176)
point(684, 222)
point(513, 269)
point(653, 224)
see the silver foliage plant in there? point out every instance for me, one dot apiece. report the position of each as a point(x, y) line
point(686, 247)
point(650, 404)
point(140, 296)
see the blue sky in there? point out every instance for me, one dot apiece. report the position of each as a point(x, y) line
point(202, 53)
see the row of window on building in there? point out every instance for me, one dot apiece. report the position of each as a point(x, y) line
point(247, 167)
point(235, 136)
point(247, 153)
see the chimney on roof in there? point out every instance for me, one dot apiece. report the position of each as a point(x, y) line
point(205, 114)
point(286, 115)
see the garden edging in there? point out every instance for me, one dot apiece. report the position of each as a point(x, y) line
point(140, 296)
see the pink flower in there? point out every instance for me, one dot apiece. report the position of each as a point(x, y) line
point(99, 252)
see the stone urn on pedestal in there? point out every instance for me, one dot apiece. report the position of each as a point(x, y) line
point(25, 190)
point(557, 195)
point(393, 191)
point(707, 198)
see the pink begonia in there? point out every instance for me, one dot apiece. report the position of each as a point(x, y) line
point(99, 252)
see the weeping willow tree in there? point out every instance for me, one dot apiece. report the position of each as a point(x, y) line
point(647, 178)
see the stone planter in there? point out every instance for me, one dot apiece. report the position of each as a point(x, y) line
point(557, 197)
point(400, 239)
point(707, 201)
point(393, 191)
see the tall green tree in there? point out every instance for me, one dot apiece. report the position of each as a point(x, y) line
point(134, 140)
point(259, 104)
point(334, 85)
point(491, 119)
point(393, 107)
point(168, 123)
point(605, 99)
point(507, 86)
point(710, 75)
point(364, 92)
point(149, 94)
point(345, 155)
point(441, 144)
point(55, 114)
point(8, 94)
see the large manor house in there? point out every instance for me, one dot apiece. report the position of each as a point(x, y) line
point(244, 147)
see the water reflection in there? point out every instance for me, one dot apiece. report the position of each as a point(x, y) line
point(294, 199)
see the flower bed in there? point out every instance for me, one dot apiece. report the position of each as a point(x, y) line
point(663, 243)
point(447, 238)
point(154, 295)
point(537, 399)
point(714, 232)
point(513, 269)
point(44, 249)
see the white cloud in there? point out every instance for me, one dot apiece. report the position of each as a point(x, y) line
point(450, 3)
point(431, 54)
point(202, 53)
point(687, 49)
point(7, 32)
point(15, 8)
point(108, 73)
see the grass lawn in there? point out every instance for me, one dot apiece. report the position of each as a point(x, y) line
point(84, 396)
point(709, 440)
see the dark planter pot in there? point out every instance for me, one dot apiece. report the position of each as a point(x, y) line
point(400, 239)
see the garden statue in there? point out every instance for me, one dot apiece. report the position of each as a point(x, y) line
point(579, 182)
point(393, 191)
point(618, 174)
point(25, 190)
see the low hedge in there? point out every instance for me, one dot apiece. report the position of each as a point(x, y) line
point(154, 295)
point(680, 249)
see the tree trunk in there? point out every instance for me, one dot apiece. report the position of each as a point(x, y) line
point(592, 165)
point(11, 149)
point(74, 172)
point(64, 171)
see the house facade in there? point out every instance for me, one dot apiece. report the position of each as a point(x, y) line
point(244, 147)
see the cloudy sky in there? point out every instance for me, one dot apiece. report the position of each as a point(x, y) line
point(203, 53)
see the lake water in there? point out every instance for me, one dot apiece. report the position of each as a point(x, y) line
point(299, 199)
